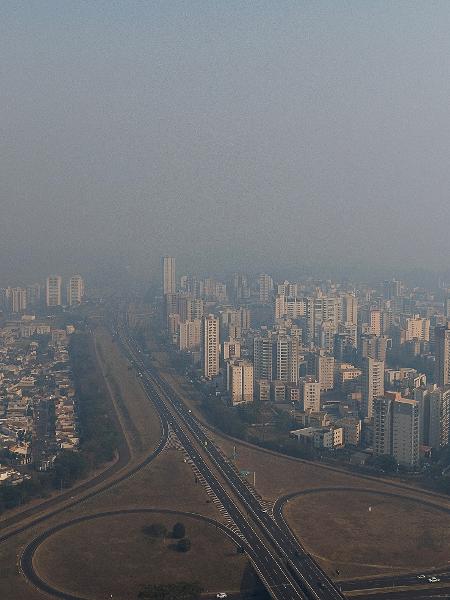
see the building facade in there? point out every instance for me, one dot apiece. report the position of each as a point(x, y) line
point(53, 290)
point(210, 346)
point(168, 275)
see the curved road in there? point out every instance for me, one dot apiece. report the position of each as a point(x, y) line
point(287, 571)
point(76, 493)
point(281, 535)
point(407, 579)
point(26, 559)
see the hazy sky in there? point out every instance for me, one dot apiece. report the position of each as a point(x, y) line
point(229, 134)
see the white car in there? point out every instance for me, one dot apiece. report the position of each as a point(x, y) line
point(221, 595)
point(421, 576)
point(433, 579)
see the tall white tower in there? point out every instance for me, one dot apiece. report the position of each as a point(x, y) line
point(372, 384)
point(211, 346)
point(168, 275)
point(53, 290)
point(75, 290)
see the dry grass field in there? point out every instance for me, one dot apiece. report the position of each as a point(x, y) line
point(361, 533)
point(112, 555)
point(167, 482)
point(137, 414)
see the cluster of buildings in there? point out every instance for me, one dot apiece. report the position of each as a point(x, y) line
point(363, 366)
point(20, 300)
point(37, 396)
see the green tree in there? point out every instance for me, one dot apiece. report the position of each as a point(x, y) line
point(385, 462)
point(156, 530)
point(68, 467)
point(178, 531)
point(283, 421)
point(184, 545)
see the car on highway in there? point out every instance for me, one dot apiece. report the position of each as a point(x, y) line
point(422, 576)
point(433, 579)
point(221, 595)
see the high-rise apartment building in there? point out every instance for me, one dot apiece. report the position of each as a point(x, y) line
point(324, 370)
point(396, 428)
point(265, 283)
point(53, 290)
point(287, 354)
point(262, 358)
point(416, 328)
point(317, 310)
point(240, 381)
point(392, 289)
point(239, 317)
point(374, 320)
point(240, 287)
point(434, 415)
point(382, 426)
point(191, 286)
point(188, 308)
point(310, 394)
point(75, 290)
point(374, 346)
point(210, 346)
point(344, 348)
point(189, 334)
point(405, 432)
point(276, 357)
point(327, 333)
point(33, 294)
point(442, 355)
point(168, 275)
point(231, 350)
point(348, 309)
point(447, 308)
point(372, 384)
point(171, 305)
point(18, 299)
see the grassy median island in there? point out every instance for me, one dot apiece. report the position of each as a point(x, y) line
point(121, 554)
point(138, 415)
point(362, 533)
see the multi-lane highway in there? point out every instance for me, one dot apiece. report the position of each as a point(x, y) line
point(286, 569)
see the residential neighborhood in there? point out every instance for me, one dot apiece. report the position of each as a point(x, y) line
point(37, 397)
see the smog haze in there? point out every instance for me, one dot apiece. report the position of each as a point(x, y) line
point(257, 135)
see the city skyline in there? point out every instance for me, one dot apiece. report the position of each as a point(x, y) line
point(224, 299)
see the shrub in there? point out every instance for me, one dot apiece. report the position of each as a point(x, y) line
point(178, 531)
point(156, 530)
point(184, 545)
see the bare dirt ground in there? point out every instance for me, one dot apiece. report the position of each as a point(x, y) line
point(119, 558)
